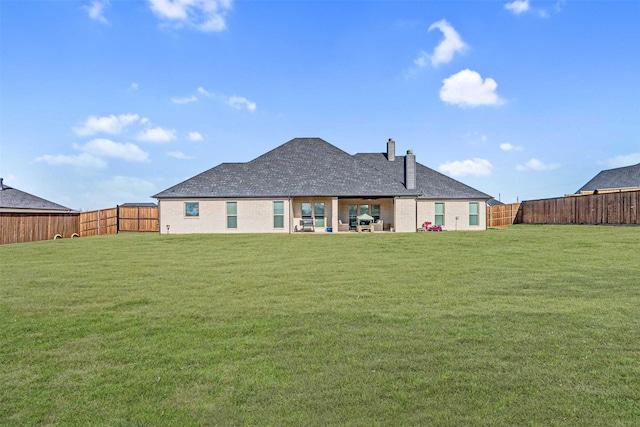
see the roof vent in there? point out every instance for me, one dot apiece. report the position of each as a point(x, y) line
point(1, 184)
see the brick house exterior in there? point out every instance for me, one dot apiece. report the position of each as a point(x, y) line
point(309, 184)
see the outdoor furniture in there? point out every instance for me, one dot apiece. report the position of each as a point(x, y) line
point(378, 225)
point(364, 223)
point(342, 227)
point(361, 228)
point(306, 224)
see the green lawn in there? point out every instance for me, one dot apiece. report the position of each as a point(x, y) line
point(529, 325)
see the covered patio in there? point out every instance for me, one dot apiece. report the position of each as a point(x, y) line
point(337, 214)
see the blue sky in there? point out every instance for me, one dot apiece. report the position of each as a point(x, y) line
point(107, 102)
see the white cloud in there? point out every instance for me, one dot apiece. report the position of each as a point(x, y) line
point(476, 166)
point(518, 6)
point(510, 147)
point(112, 124)
point(134, 86)
point(624, 160)
point(203, 15)
point(240, 102)
point(107, 148)
point(467, 89)
point(83, 160)
point(237, 102)
point(179, 155)
point(449, 46)
point(536, 165)
point(96, 10)
point(195, 136)
point(204, 92)
point(157, 134)
point(185, 100)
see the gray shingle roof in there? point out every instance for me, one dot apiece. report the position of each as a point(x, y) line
point(139, 205)
point(494, 202)
point(313, 167)
point(430, 183)
point(624, 177)
point(11, 198)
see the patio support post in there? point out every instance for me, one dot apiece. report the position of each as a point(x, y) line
point(334, 214)
point(290, 215)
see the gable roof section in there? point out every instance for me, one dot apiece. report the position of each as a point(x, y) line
point(624, 177)
point(430, 183)
point(300, 167)
point(11, 198)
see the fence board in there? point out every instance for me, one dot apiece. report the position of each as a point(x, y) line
point(122, 218)
point(138, 218)
point(615, 208)
point(502, 215)
point(27, 227)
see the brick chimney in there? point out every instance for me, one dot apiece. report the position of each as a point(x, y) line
point(410, 170)
point(391, 150)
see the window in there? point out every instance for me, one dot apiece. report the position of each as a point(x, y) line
point(318, 210)
point(353, 215)
point(473, 213)
point(306, 210)
point(364, 209)
point(375, 212)
point(278, 214)
point(232, 214)
point(192, 209)
point(439, 219)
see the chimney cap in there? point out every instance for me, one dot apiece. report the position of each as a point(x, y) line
point(409, 151)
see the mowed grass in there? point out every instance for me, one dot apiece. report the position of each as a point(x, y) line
point(529, 325)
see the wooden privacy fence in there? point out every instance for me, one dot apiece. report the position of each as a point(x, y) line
point(615, 208)
point(120, 218)
point(96, 223)
point(503, 215)
point(20, 227)
point(606, 208)
point(30, 227)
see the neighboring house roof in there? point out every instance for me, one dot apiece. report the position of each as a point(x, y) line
point(12, 198)
point(139, 205)
point(624, 177)
point(494, 202)
point(313, 167)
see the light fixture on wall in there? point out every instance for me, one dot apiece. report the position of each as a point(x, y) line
point(168, 228)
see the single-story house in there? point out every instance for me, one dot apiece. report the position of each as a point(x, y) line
point(618, 179)
point(25, 217)
point(309, 184)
